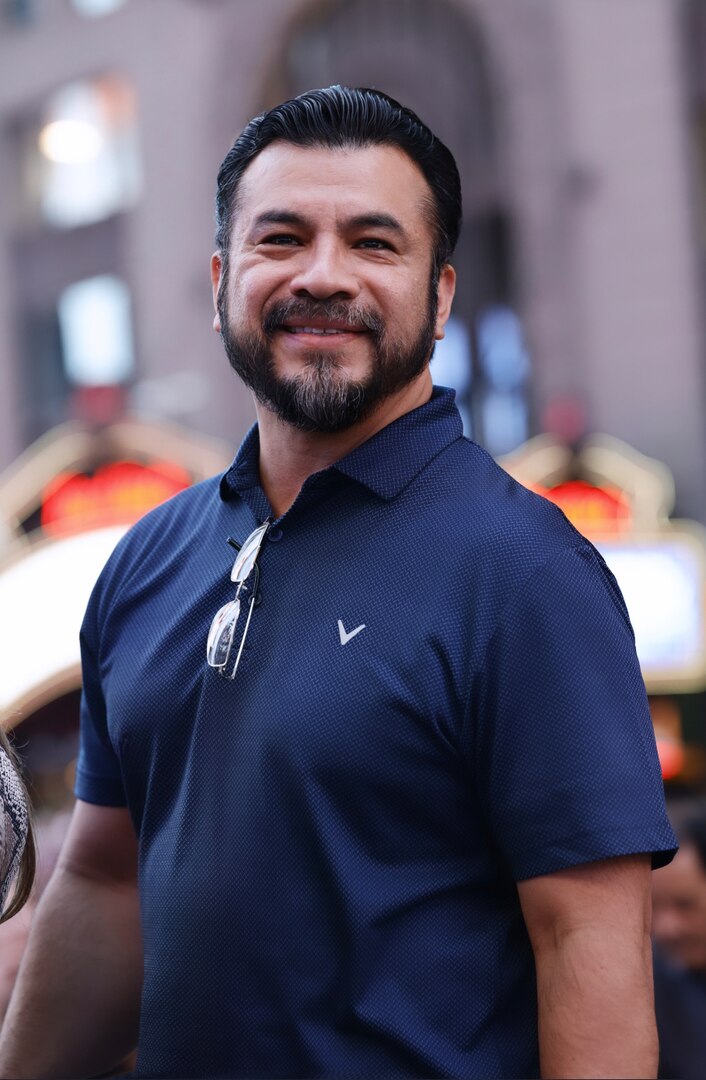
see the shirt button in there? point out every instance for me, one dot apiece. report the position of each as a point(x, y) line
point(274, 534)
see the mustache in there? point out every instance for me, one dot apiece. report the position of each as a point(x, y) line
point(352, 316)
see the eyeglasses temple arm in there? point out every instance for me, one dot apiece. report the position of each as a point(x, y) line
point(245, 633)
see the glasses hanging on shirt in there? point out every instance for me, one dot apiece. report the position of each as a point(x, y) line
point(230, 623)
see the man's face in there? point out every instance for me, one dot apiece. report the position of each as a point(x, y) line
point(679, 909)
point(327, 304)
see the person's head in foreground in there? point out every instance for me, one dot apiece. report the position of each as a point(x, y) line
point(679, 890)
point(332, 277)
point(17, 855)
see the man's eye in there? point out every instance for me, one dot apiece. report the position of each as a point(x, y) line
point(280, 239)
point(375, 244)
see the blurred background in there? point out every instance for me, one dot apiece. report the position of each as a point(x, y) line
point(579, 127)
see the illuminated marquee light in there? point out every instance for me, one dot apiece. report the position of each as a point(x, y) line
point(621, 500)
point(43, 597)
point(591, 509)
point(118, 493)
point(63, 507)
point(672, 755)
point(662, 581)
point(660, 577)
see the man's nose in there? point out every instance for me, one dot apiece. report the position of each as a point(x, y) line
point(324, 271)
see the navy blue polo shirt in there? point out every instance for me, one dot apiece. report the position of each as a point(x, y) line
point(439, 696)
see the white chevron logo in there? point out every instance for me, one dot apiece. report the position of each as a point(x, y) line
point(346, 637)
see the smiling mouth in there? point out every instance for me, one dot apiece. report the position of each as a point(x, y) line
point(318, 330)
point(324, 319)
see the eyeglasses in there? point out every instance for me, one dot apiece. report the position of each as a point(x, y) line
point(221, 636)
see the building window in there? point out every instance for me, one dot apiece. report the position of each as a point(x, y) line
point(94, 9)
point(95, 326)
point(451, 365)
point(81, 158)
point(18, 12)
point(505, 366)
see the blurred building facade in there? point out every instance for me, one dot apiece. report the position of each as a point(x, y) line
point(579, 130)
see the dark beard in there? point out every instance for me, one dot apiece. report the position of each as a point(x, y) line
point(318, 398)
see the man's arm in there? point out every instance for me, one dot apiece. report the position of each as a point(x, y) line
point(590, 931)
point(75, 1009)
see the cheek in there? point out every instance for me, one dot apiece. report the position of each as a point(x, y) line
point(404, 310)
point(244, 304)
point(249, 289)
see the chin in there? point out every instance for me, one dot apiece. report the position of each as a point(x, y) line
point(333, 366)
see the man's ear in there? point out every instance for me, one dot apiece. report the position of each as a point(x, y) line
point(216, 269)
point(447, 288)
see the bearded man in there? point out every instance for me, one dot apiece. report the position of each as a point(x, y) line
point(385, 772)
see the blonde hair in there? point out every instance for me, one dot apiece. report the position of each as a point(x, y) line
point(24, 879)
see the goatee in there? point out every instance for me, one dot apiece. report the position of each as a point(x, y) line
point(321, 397)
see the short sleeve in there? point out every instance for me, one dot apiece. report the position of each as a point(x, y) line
point(98, 773)
point(566, 759)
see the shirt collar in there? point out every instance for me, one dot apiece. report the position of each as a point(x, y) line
point(386, 463)
point(391, 459)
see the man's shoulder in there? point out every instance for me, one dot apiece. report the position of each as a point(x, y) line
point(179, 513)
point(184, 503)
point(165, 529)
point(486, 506)
point(498, 540)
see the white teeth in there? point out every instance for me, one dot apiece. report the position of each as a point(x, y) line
point(313, 330)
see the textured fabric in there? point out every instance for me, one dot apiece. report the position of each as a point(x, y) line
point(330, 844)
point(14, 824)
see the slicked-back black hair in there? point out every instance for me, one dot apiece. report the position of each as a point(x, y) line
point(341, 117)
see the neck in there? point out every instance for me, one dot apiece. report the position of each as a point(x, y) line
point(289, 456)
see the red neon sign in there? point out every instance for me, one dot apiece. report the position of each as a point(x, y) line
point(114, 494)
point(593, 510)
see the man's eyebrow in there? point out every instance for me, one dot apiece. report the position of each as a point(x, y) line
point(375, 221)
point(280, 217)
point(359, 221)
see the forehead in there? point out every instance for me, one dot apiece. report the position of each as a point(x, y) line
point(319, 180)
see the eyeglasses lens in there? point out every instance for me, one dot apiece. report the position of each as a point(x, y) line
point(221, 634)
point(246, 557)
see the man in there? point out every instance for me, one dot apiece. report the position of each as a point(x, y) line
point(398, 820)
point(679, 929)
